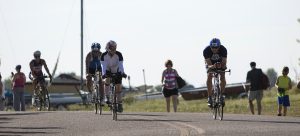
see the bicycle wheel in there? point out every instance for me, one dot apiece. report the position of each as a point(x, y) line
point(220, 111)
point(46, 100)
point(115, 107)
point(96, 103)
point(214, 108)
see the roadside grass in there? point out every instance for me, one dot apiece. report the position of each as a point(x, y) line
point(236, 106)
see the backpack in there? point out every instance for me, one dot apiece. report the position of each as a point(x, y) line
point(180, 82)
point(265, 81)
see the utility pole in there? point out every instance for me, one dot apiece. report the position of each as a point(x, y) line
point(81, 34)
point(145, 84)
point(129, 83)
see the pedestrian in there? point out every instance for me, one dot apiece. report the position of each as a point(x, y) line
point(254, 77)
point(18, 84)
point(2, 98)
point(283, 84)
point(170, 87)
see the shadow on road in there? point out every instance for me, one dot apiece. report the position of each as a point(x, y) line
point(153, 120)
point(27, 130)
point(264, 121)
point(21, 113)
point(135, 114)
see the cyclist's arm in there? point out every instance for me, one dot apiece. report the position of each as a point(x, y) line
point(103, 63)
point(46, 68)
point(224, 62)
point(87, 61)
point(209, 63)
point(31, 69)
point(121, 67)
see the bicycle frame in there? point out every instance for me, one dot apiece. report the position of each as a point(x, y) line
point(43, 99)
point(217, 105)
point(96, 87)
point(113, 95)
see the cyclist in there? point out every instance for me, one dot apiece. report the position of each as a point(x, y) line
point(36, 66)
point(112, 62)
point(215, 57)
point(92, 64)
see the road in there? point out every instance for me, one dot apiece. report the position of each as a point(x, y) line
point(86, 123)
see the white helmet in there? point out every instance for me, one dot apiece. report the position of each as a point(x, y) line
point(109, 44)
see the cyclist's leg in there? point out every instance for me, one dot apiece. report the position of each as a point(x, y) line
point(107, 90)
point(35, 86)
point(209, 84)
point(89, 83)
point(223, 82)
point(119, 97)
point(209, 88)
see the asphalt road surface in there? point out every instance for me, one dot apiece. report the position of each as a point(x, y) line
point(86, 123)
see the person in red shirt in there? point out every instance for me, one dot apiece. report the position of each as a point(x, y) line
point(18, 85)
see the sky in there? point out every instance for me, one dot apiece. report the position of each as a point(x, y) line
point(148, 32)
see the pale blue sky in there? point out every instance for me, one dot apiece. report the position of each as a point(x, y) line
point(149, 32)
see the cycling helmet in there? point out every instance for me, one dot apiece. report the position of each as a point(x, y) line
point(109, 44)
point(18, 67)
point(215, 43)
point(37, 53)
point(96, 46)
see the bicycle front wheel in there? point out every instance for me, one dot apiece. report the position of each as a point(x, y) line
point(220, 112)
point(46, 101)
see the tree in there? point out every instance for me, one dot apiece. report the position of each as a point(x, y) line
point(272, 75)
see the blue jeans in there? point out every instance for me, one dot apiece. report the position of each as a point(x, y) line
point(19, 99)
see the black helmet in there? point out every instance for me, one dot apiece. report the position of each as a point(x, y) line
point(18, 67)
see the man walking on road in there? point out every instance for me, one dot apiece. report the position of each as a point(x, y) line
point(255, 91)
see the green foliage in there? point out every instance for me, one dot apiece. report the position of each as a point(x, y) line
point(235, 106)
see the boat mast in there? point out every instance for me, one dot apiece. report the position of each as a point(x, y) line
point(81, 74)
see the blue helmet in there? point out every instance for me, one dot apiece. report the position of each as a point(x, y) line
point(96, 46)
point(215, 43)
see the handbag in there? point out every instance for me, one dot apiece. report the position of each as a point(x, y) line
point(180, 82)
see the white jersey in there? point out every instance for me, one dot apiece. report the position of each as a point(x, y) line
point(113, 63)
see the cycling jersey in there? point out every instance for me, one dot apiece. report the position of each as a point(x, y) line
point(112, 63)
point(215, 57)
point(36, 67)
point(93, 63)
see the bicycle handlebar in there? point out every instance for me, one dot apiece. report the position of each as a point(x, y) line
point(220, 71)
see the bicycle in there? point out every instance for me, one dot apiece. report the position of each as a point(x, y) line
point(98, 99)
point(113, 96)
point(41, 96)
point(217, 107)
